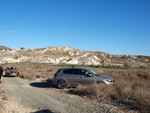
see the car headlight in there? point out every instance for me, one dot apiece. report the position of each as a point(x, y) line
point(109, 81)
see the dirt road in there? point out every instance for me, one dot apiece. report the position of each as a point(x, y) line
point(24, 98)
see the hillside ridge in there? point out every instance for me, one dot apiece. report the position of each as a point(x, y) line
point(70, 55)
point(4, 47)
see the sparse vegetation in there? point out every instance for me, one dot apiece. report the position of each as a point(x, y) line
point(16, 57)
point(131, 89)
point(34, 70)
point(104, 66)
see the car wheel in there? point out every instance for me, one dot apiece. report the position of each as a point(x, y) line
point(61, 84)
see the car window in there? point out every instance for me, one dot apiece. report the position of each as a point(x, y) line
point(58, 71)
point(12, 68)
point(71, 71)
point(82, 72)
point(93, 72)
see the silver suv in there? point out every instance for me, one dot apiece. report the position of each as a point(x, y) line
point(71, 77)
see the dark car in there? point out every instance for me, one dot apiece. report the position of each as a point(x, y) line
point(12, 71)
point(67, 77)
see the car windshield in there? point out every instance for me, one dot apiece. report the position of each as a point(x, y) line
point(93, 72)
point(12, 68)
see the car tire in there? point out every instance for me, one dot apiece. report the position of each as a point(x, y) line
point(61, 84)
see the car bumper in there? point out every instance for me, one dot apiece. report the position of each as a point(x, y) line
point(12, 74)
point(54, 81)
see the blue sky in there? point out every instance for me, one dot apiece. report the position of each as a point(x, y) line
point(112, 26)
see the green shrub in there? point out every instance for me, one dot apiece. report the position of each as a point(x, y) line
point(16, 57)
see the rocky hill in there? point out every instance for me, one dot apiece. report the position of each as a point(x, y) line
point(69, 55)
point(3, 47)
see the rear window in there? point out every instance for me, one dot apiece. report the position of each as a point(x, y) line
point(11, 68)
point(58, 71)
point(71, 71)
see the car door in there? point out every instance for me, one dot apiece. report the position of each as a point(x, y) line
point(71, 76)
point(84, 77)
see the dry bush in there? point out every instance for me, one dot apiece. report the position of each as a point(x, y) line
point(121, 91)
point(35, 71)
point(143, 100)
point(96, 92)
point(131, 87)
point(141, 95)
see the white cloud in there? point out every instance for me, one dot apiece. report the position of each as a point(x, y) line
point(10, 31)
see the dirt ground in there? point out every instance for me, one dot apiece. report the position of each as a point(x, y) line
point(35, 97)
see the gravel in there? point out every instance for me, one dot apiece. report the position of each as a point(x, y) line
point(24, 98)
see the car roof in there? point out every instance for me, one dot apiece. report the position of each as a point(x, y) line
point(11, 66)
point(74, 68)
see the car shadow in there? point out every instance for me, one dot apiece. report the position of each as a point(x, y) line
point(43, 111)
point(47, 84)
point(8, 76)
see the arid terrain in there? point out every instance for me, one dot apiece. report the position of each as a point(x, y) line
point(29, 97)
point(129, 93)
point(33, 90)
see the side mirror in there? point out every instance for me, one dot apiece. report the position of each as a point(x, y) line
point(90, 75)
